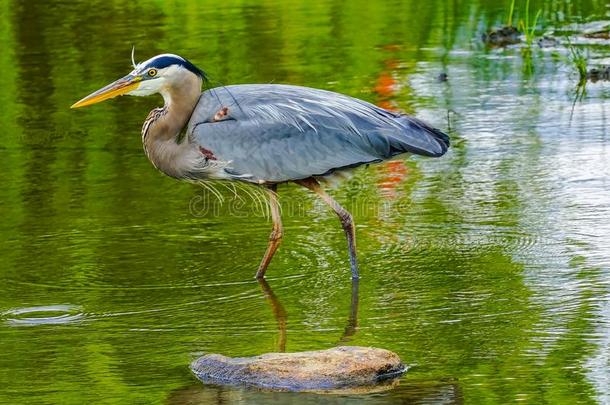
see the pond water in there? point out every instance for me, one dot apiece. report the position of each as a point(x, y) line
point(486, 270)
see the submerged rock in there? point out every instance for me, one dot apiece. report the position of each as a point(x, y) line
point(502, 37)
point(337, 368)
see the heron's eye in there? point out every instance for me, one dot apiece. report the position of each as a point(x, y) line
point(151, 72)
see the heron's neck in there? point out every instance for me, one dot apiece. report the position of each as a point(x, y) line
point(163, 126)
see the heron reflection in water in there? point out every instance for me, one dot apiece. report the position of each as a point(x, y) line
point(265, 135)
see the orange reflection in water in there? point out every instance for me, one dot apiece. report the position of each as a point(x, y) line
point(386, 87)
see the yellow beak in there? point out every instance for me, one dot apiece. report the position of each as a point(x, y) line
point(118, 88)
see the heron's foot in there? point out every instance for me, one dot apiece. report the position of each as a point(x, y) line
point(222, 114)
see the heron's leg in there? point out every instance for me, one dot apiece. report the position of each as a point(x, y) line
point(276, 233)
point(344, 216)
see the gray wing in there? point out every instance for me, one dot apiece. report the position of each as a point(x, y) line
point(277, 133)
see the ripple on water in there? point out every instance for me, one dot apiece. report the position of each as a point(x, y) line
point(43, 315)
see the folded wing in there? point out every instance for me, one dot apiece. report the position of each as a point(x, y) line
point(278, 133)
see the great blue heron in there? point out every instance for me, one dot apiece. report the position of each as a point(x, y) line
point(265, 134)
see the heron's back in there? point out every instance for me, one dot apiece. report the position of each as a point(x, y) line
point(277, 133)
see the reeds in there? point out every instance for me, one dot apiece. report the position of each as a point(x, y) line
point(529, 30)
point(579, 61)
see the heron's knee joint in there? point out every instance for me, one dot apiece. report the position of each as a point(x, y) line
point(276, 235)
point(346, 218)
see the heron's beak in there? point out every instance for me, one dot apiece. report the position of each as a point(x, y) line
point(118, 88)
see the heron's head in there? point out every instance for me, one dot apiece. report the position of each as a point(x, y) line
point(156, 75)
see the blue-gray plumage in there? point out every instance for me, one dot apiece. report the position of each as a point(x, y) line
point(278, 133)
point(265, 134)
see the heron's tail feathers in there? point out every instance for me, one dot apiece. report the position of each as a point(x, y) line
point(422, 139)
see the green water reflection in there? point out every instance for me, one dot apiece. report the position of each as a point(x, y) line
point(486, 270)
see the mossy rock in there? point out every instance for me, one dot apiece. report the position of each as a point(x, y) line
point(337, 368)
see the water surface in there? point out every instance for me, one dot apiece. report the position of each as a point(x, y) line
point(485, 270)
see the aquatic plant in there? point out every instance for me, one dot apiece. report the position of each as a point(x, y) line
point(528, 29)
point(580, 62)
point(511, 10)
